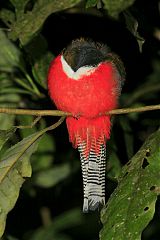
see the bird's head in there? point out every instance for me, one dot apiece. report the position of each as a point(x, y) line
point(83, 56)
point(84, 53)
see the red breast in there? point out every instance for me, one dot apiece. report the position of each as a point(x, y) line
point(89, 95)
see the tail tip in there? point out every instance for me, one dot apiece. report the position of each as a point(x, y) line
point(93, 204)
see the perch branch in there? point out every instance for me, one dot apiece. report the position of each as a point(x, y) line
point(34, 112)
point(134, 110)
point(65, 114)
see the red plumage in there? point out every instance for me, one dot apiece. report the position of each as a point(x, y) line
point(88, 98)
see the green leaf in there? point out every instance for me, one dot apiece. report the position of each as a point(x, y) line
point(37, 48)
point(19, 7)
point(11, 238)
point(19, 4)
point(44, 154)
point(40, 69)
point(8, 100)
point(10, 55)
point(113, 166)
point(5, 135)
point(6, 121)
point(132, 25)
point(25, 120)
point(7, 16)
point(67, 220)
point(50, 177)
point(91, 3)
point(25, 28)
point(39, 58)
point(114, 7)
point(131, 206)
point(46, 147)
point(7, 84)
point(14, 167)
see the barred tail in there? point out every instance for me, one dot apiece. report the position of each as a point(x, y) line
point(93, 171)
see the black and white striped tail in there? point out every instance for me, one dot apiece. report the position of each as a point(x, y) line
point(93, 171)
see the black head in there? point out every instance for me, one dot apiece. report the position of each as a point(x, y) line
point(83, 52)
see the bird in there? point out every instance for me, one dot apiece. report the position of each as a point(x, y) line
point(86, 79)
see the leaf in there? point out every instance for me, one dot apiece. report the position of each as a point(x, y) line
point(45, 154)
point(91, 3)
point(8, 87)
point(26, 120)
point(50, 177)
point(8, 52)
point(131, 206)
point(67, 220)
point(114, 7)
point(132, 25)
point(39, 58)
point(25, 28)
point(14, 167)
point(10, 55)
point(8, 100)
point(40, 69)
point(113, 166)
point(11, 238)
point(19, 5)
point(5, 135)
point(6, 121)
point(46, 147)
point(37, 48)
point(7, 16)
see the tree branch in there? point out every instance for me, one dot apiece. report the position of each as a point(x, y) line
point(34, 112)
point(134, 110)
point(65, 114)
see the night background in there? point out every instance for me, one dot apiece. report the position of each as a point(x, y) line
point(49, 205)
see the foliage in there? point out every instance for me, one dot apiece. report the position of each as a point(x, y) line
point(14, 167)
point(133, 201)
point(115, 7)
point(55, 189)
point(24, 27)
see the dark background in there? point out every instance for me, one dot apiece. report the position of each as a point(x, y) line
point(59, 29)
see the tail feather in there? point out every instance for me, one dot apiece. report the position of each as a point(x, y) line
point(93, 171)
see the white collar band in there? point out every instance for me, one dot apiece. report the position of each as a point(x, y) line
point(82, 71)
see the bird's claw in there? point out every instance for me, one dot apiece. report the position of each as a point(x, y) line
point(77, 116)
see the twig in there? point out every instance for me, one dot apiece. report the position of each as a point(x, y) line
point(45, 216)
point(133, 110)
point(65, 114)
point(55, 125)
point(34, 112)
point(32, 124)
